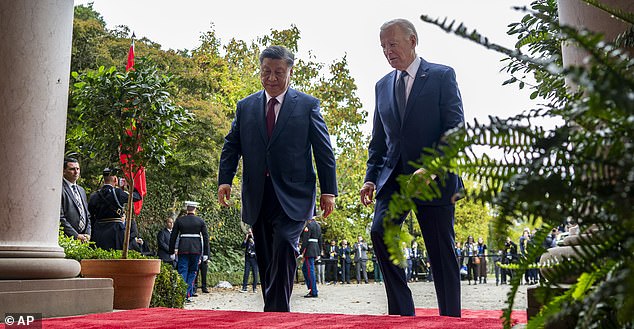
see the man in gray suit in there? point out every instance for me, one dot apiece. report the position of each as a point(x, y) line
point(276, 132)
point(74, 215)
point(361, 259)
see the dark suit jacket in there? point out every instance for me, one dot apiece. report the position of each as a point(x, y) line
point(434, 106)
point(163, 242)
point(300, 132)
point(344, 252)
point(69, 211)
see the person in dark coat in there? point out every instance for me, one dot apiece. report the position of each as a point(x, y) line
point(163, 242)
point(281, 137)
point(346, 260)
point(332, 258)
point(188, 230)
point(250, 261)
point(416, 104)
point(310, 250)
point(107, 206)
point(74, 215)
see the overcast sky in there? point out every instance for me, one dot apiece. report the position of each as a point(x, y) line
point(331, 29)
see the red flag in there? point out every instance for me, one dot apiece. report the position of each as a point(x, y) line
point(139, 177)
point(130, 64)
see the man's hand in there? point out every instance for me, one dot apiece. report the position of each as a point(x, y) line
point(327, 204)
point(138, 240)
point(205, 258)
point(224, 194)
point(173, 256)
point(367, 193)
point(83, 237)
point(423, 172)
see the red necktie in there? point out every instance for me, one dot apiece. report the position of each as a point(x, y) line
point(270, 116)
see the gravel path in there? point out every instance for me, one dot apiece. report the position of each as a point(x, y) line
point(357, 298)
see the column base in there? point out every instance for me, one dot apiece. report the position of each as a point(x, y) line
point(57, 297)
point(38, 268)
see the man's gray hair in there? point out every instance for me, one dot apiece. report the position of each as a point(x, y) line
point(278, 52)
point(406, 25)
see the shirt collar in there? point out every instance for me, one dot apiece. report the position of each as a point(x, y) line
point(280, 97)
point(68, 182)
point(412, 69)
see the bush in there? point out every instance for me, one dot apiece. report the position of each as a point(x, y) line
point(169, 288)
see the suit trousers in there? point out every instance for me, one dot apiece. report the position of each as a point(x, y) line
point(203, 267)
point(436, 223)
point(362, 270)
point(345, 271)
point(276, 238)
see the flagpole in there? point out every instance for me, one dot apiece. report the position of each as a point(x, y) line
point(130, 165)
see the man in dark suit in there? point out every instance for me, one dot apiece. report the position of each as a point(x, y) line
point(74, 215)
point(277, 132)
point(415, 105)
point(346, 261)
point(332, 266)
point(250, 261)
point(192, 249)
point(163, 242)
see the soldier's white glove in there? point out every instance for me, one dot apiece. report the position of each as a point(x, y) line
point(173, 256)
point(205, 258)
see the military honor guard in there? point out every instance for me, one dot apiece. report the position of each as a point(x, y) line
point(193, 245)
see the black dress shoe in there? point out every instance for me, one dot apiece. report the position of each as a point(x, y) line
point(205, 291)
point(309, 295)
point(195, 295)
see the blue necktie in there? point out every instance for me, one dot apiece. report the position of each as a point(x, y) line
point(401, 100)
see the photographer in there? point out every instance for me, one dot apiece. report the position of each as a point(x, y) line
point(250, 262)
point(509, 256)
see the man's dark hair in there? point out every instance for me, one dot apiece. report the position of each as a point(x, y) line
point(278, 52)
point(67, 160)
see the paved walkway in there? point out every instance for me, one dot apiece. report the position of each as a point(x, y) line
point(358, 298)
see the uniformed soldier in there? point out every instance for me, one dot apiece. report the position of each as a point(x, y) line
point(107, 206)
point(311, 249)
point(188, 230)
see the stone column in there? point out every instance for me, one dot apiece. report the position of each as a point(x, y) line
point(580, 15)
point(35, 50)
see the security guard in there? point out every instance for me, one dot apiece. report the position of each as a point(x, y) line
point(107, 206)
point(311, 249)
point(188, 230)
